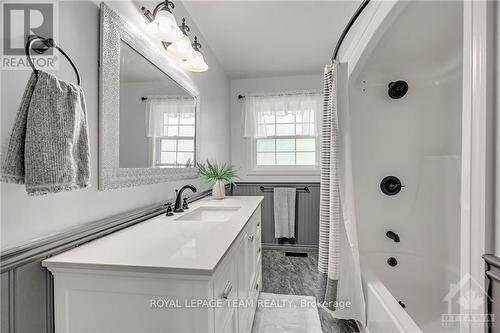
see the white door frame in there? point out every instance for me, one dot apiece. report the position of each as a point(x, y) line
point(476, 131)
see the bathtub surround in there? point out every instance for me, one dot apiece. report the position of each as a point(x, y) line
point(49, 146)
point(284, 212)
point(435, 146)
point(338, 243)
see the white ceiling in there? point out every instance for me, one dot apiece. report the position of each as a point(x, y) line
point(271, 38)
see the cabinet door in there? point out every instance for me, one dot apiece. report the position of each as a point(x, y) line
point(254, 249)
point(249, 272)
point(243, 283)
point(230, 326)
point(225, 288)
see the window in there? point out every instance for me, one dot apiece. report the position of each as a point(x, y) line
point(283, 132)
point(171, 127)
point(285, 145)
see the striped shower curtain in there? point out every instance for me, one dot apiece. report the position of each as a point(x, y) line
point(338, 245)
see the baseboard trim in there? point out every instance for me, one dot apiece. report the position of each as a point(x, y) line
point(361, 328)
point(289, 247)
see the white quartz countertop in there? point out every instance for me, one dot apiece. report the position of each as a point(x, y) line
point(163, 244)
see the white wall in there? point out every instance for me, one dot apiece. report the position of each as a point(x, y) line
point(239, 149)
point(25, 218)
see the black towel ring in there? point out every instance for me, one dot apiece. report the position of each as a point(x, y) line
point(42, 47)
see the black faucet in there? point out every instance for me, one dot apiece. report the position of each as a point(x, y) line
point(392, 235)
point(178, 198)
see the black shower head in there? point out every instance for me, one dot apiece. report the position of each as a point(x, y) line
point(398, 89)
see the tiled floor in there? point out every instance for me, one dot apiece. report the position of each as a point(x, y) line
point(299, 276)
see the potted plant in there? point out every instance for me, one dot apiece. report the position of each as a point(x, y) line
point(212, 172)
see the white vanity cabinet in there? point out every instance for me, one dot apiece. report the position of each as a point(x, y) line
point(245, 266)
point(207, 281)
point(249, 273)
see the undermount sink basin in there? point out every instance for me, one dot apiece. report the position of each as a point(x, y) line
point(209, 214)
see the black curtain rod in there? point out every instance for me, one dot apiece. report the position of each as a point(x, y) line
point(284, 93)
point(348, 27)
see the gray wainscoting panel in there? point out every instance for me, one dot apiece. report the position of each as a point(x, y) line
point(307, 213)
point(27, 288)
point(32, 298)
point(4, 303)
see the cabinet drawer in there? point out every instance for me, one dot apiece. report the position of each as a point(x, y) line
point(255, 222)
point(225, 287)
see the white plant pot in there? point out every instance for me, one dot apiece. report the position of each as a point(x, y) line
point(219, 190)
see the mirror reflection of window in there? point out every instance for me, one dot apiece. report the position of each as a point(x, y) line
point(157, 116)
point(171, 125)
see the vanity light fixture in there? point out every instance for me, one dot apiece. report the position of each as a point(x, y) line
point(175, 40)
point(196, 63)
point(182, 48)
point(162, 22)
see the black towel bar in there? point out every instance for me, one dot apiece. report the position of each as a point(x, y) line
point(270, 189)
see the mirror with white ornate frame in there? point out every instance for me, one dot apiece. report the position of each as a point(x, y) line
point(149, 110)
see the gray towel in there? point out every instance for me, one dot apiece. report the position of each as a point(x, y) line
point(284, 212)
point(49, 145)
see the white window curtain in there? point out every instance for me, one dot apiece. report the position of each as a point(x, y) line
point(161, 110)
point(257, 110)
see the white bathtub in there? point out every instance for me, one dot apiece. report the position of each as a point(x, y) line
point(417, 282)
point(384, 314)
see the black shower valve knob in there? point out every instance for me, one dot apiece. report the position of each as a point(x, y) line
point(397, 89)
point(391, 185)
